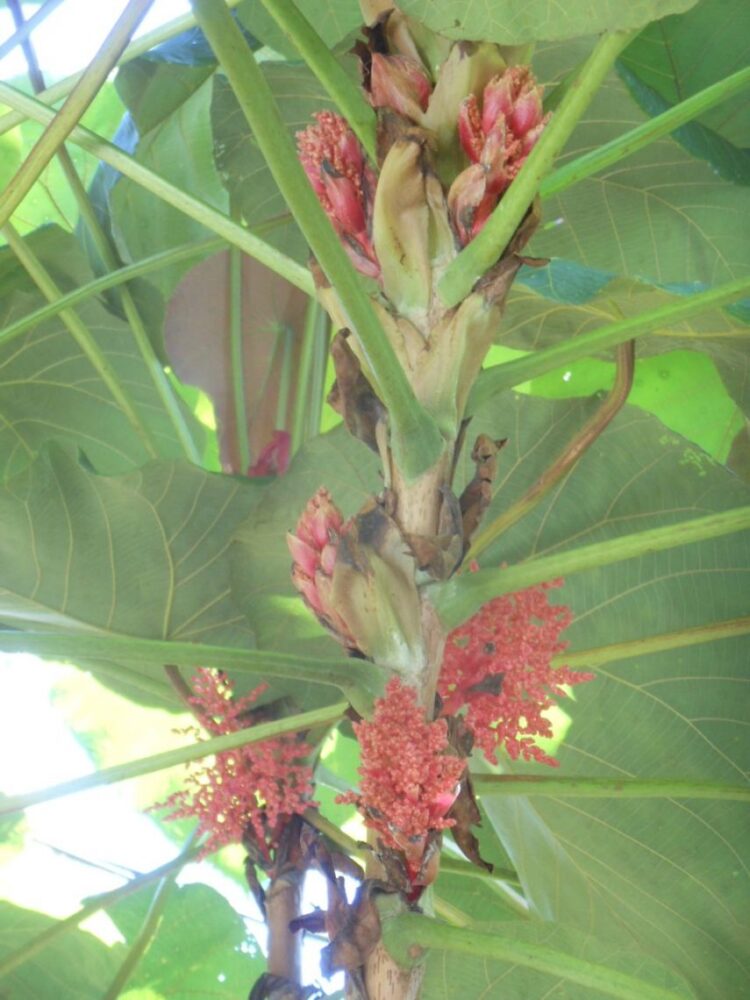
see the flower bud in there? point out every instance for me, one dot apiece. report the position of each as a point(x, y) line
point(313, 548)
point(399, 83)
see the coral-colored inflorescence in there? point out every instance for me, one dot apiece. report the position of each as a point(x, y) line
point(344, 182)
point(497, 139)
point(408, 782)
point(248, 793)
point(498, 665)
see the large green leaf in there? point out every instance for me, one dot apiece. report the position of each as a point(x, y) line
point(180, 149)
point(50, 390)
point(680, 55)
point(333, 20)
point(243, 169)
point(453, 976)
point(514, 22)
point(143, 555)
point(77, 966)
point(668, 875)
point(660, 214)
point(201, 948)
point(535, 321)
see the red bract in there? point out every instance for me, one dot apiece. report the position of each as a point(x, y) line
point(249, 792)
point(399, 83)
point(274, 458)
point(408, 781)
point(344, 183)
point(497, 139)
point(498, 665)
point(313, 548)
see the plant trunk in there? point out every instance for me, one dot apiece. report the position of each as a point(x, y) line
point(282, 906)
point(418, 507)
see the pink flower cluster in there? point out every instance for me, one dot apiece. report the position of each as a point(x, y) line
point(251, 791)
point(409, 782)
point(497, 139)
point(344, 182)
point(498, 665)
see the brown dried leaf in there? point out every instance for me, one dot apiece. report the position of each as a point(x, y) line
point(352, 395)
point(465, 812)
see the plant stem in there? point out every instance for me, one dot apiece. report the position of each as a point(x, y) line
point(489, 244)
point(597, 657)
point(416, 438)
point(505, 376)
point(327, 716)
point(651, 130)
point(456, 600)
point(135, 49)
point(82, 336)
point(358, 680)
point(74, 107)
point(406, 936)
point(194, 208)
point(608, 788)
point(237, 355)
point(24, 29)
point(569, 457)
point(305, 400)
point(327, 69)
point(31, 948)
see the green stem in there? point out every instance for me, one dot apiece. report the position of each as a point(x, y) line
point(23, 30)
point(37, 944)
point(347, 95)
point(74, 107)
point(81, 335)
point(327, 716)
point(569, 457)
point(136, 48)
point(194, 208)
point(505, 376)
point(408, 935)
point(608, 788)
point(359, 680)
point(489, 244)
point(458, 599)
point(416, 439)
point(315, 318)
point(657, 127)
point(237, 355)
point(597, 657)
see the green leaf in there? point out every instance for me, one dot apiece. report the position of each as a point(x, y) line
point(660, 214)
point(73, 967)
point(201, 947)
point(261, 563)
point(243, 169)
point(680, 55)
point(516, 22)
point(138, 555)
point(668, 875)
point(333, 20)
point(536, 321)
point(49, 390)
point(450, 975)
point(152, 90)
point(143, 224)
